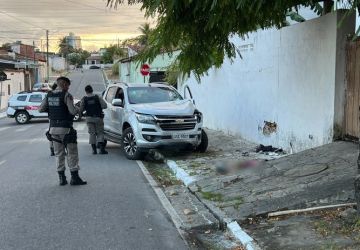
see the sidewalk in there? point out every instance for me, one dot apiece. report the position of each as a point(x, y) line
point(235, 182)
point(2, 113)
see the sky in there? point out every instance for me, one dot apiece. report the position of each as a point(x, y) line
point(97, 25)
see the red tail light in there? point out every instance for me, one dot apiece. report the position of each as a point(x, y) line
point(31, 107)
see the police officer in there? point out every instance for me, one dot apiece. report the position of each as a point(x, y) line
point(52, 152)
point(60, 106)
point(93, 105)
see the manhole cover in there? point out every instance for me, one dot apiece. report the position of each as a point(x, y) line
point(306, 170)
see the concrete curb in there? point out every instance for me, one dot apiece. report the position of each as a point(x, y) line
point(106, 80)
point(180, 173)
point(3, 115)
point(248, 242)
point(164, 201)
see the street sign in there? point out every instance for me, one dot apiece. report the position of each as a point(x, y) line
point(3, 76)
point(145, 69)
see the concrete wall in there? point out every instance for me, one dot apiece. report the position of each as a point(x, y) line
point(287, 77)
point(130, 71)
point(57, 63)
point(15, 85)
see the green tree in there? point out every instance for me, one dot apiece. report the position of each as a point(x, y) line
point(84, 55)
point(202, 30)
point(6, 46)
point(112, 53)
point(64, 48)
point(74, 58)
point(145, 30)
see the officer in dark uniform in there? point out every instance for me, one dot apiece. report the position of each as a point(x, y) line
point(60, 106)
point(93, 105)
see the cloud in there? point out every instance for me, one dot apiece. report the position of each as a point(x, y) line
point(27, 21)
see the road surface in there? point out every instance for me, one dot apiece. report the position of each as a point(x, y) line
point(116, 210)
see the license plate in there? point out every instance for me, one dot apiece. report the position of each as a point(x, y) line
point(180, 136)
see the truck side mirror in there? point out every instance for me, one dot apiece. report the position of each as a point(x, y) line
point(117, 102)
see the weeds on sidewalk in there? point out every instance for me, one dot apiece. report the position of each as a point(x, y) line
point(212, 196)
point(331, 224)
point(224, 201)
point(162, 175)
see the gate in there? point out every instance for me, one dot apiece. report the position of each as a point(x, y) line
point(352, 89)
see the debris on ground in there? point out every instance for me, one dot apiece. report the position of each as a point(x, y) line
point(321, 229)
point(155, 156)
point(188, 211)
point(269, 150)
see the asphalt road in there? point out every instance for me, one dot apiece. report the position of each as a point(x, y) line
point(116, 210)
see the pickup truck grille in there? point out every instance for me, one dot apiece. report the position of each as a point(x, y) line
point(174, 123)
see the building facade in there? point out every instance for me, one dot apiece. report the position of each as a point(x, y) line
point(73, 41)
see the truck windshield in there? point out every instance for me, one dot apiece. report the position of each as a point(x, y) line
point(138, 95)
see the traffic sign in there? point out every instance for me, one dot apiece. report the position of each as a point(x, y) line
point(145, 69)
point(3, 76)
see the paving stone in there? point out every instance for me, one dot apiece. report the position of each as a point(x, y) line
point(193, 214)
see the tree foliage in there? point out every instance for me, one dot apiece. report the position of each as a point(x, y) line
point(145, 30)
point(64, 48)
point(77, 57)
point(202, 30)
point(112, 53)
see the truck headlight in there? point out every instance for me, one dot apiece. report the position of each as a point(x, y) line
point(198, 117)
point(148, 119)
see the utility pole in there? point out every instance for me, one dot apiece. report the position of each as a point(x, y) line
point(47, 55)
point(34, 51)
point(34, 66)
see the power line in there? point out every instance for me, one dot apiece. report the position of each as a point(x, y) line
point(26, 22)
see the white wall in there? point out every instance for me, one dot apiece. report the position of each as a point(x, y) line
point(57, 63)
point(16, 84)
point(286, 76)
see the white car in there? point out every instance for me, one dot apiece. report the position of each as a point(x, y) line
point(24, 106)
point(41, 86)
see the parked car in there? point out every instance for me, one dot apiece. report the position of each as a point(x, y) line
point(94, 67)
point(24, 106)
point(41, 86)
point(142, 117)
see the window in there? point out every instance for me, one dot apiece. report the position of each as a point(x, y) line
point(152, 95)
point(35, 98)
point(21, 98)
point(120, 95)
point(9, 90)
point(110, 94)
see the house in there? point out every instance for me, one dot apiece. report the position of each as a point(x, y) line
point(94, 59)
point(15, 78)
point(290, 89)
point(31, 60)
point(129, 68)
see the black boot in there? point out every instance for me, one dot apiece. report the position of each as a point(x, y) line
point(102, 149)
point(76, 180)
point(94, 149)
point(52, 153)
point(62, 178)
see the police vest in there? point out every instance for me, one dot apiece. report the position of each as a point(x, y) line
point(92, 106)
point(59, 114)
